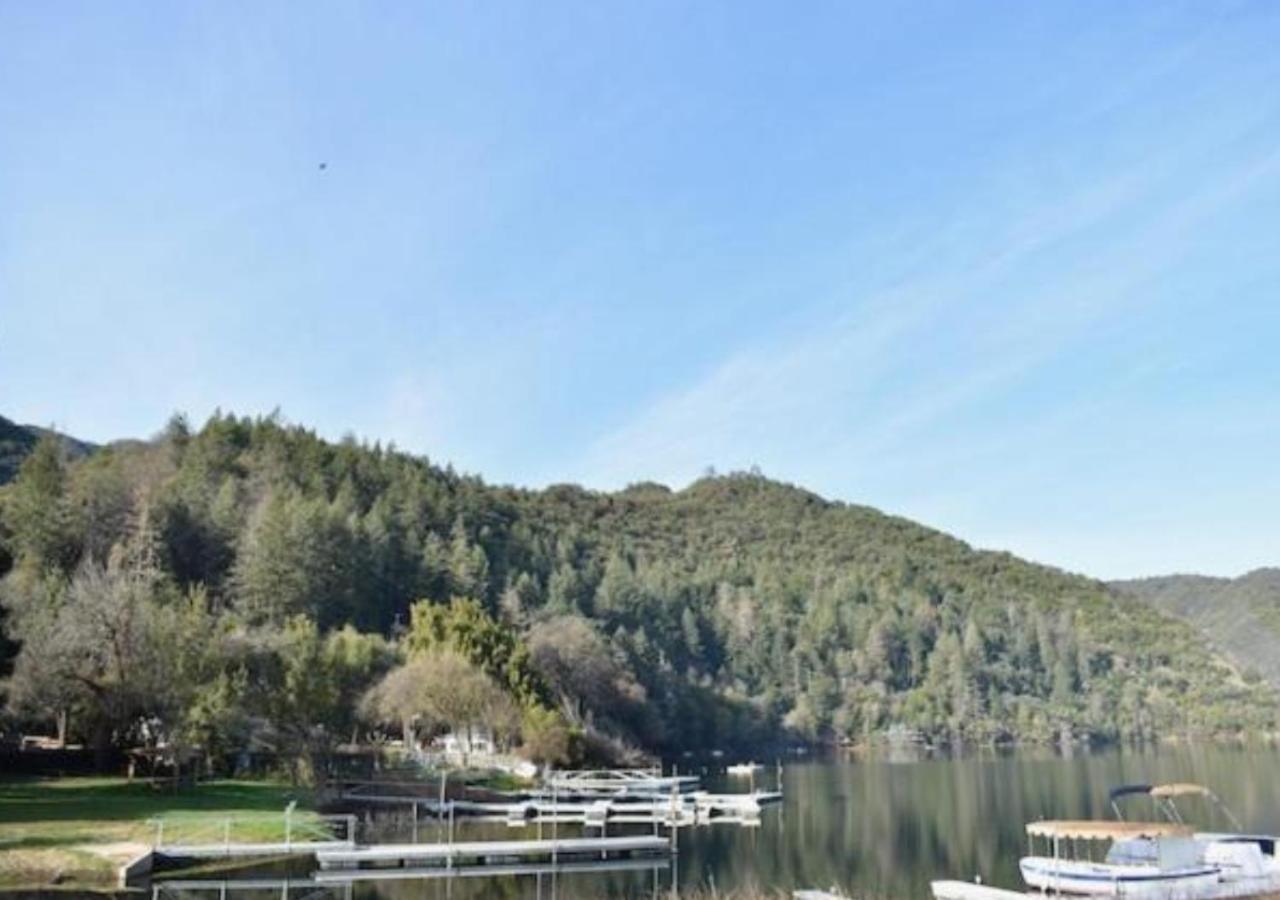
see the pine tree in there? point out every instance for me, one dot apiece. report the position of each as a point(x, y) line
point(36, 512)
point(468, 564)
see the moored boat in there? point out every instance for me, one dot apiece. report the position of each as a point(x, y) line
point(1143, 859)
point(1247, 863)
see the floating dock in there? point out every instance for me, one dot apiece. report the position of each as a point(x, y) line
point(698, 807)
point(349, 876)
point(969, 890)
point(679, 809)
point(613, 782)
point(489, 853)
point(339, 879)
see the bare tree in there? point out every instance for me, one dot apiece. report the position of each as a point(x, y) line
point(93, 648)
point(441, 687)
point(581, 668)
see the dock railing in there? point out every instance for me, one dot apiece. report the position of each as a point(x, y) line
point(204, 835)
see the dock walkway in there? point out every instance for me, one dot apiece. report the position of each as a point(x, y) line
point(617, 782)
point(427, 873)
point(483, 853)
point(679, 809)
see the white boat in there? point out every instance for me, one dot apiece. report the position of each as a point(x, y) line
point(1166, 860)
point(1247, 862)
point(718, 804)
point(744, 769)
point(1143, 859)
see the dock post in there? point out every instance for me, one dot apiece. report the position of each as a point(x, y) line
point(672, 825)
point(449, 858)
point(444, 776)
point(675, 867)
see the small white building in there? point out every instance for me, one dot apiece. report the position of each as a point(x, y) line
point(466, 744)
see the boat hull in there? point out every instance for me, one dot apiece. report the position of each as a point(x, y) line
point(1100, 880)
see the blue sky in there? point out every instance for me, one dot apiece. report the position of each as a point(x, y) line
point(1009, 269)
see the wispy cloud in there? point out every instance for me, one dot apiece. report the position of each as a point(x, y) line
point(872, 406)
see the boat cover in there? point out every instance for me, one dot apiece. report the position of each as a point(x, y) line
point(1096, 830)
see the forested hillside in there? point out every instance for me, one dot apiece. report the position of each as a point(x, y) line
point(1239, 615)
point(17, 442)
point(698, 618)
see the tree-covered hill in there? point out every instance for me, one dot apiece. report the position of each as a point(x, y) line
point(735, 611)
point(1239, 615)
point(17, 441)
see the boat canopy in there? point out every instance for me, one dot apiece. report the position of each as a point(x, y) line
point(1125, 790)
point(1180, 789)
point(1164, 795)
point(1094, 830)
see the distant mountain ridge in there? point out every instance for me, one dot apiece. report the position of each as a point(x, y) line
point(16, 441)
point(1241, 616)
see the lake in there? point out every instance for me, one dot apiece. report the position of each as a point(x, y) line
point(883, 825)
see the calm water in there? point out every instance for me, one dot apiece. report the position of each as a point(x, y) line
point(881, 826)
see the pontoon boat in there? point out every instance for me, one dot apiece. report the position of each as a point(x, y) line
point(1144, 859)
point(1246, 861)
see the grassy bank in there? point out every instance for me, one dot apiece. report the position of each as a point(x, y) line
point(77, 831)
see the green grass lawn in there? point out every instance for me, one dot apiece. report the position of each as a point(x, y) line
point(78, 830)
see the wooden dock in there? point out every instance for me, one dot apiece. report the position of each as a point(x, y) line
point(488, 853)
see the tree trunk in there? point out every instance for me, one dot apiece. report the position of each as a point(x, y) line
point(101, 746)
